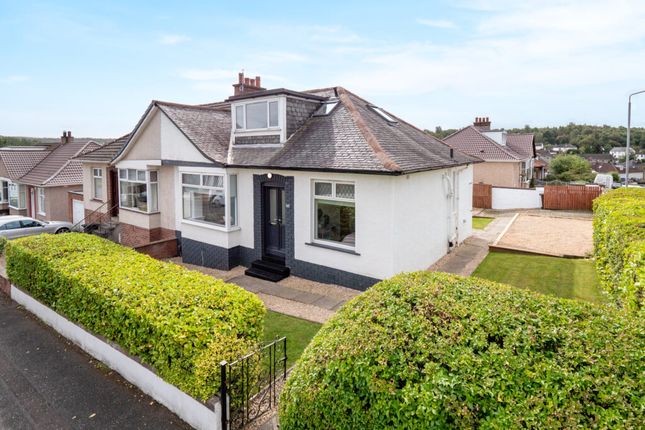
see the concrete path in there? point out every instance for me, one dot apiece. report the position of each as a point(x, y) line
point(291, 301)
point(466, 257)
point(48, 383)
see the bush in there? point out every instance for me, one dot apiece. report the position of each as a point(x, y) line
point(3, 244)
point(433, 350)
point(619, 245)
point(180, 322)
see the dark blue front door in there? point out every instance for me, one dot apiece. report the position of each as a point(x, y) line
point(273, 199)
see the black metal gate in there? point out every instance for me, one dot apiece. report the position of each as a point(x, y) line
point(248, 389)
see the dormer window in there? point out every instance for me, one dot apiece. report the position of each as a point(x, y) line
point(386, 116)
point(257, 115)
point(326, 107)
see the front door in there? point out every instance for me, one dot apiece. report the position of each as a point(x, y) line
point(273, 200)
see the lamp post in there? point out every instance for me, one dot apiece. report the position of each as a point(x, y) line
point(629, 124)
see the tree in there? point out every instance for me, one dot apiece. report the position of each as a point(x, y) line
point(570, 168)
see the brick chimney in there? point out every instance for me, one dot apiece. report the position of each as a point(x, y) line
point(66, 137)
point(247, 85)
point(482, 123)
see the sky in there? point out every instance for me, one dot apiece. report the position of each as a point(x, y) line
point(93, 67)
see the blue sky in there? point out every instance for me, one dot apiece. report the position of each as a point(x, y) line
point(93, 67)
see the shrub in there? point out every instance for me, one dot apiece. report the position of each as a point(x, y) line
point(619, 245)
point(433, 350)
point(3, 244)
point(180, 322)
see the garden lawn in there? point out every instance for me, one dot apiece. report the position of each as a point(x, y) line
point(480, 223)
point(563, 277)
point(298, 331)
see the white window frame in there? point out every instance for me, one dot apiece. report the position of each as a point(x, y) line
point(4, 197)
point(230, 225)
point(98, 170)
point(148, 184)
point(40, 199)
point(314, 220)
point(18, 188)
point(268, 116)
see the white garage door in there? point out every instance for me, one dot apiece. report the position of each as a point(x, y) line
point(78, 211)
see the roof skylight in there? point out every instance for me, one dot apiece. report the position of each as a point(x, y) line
point(326, 107)
point(386, 116)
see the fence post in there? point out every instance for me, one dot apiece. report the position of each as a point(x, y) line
point(284, 366)
point(223, 395)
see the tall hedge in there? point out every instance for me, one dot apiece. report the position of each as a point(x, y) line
point(180, 322)
point(432, 350)
point(619, 245)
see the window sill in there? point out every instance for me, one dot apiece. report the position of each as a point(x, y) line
point(136, 211)
point(333, 248)
point(96, 200)
point(42, 214)
point(210, 226)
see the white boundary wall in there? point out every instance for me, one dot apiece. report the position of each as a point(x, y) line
point(187, 408)
point(517, 198)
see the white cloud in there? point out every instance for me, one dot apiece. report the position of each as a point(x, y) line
point(437, 23)
point(14, 79)
point(173, 39)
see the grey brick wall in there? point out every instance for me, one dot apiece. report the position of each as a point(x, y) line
point(207, 255)
point(298, 111)
point(257, 140)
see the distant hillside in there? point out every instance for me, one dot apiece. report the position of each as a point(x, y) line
point(589, 139)
point(41, 141)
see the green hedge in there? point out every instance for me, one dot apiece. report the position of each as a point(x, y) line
point(3, 244)
point(433, 350)
point(180, 322)
point(619, 245)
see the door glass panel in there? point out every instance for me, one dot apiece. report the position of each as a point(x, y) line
point(273, 207)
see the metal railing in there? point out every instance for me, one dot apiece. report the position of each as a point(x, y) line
point(98, 222)
point(249, 388)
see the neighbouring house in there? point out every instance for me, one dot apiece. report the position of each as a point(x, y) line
point(321, 184)
point(15, 162)
point(620, 152)
point(599, 158)
point(603, 167)
point(44, 182)
point(563, 149)
point(636, 172)
point(539, 169)
point(508, 157)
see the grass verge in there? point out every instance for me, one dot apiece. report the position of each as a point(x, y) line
point(298, 331)
point(562, 277)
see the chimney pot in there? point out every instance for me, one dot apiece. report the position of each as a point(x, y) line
point(247, 81)
point(240, 78)
point(252, 82)
point(257, 81)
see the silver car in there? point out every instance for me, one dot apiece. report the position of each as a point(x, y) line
point(13, 226)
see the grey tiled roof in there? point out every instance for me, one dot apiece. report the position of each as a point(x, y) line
point(104, 153)
point(521, 143)
point(55, 168)
point(471, 141)
point(353, 137)
point(17, 163)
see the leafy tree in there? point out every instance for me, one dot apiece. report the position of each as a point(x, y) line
point(570, 168)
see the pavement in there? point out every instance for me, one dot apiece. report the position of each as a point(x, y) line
point(464, 259)
point(47, 382)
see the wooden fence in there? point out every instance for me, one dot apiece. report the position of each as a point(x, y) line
point(482, 196)
point(570, 197)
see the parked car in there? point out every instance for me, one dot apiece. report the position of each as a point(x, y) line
point(13, 226)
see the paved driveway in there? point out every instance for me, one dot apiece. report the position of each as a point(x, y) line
point(48, 383)
point(549, 235)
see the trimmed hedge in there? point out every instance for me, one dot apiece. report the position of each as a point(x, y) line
point(433, 350)
point(180, 322)
point(619, 245)
point(3, 244)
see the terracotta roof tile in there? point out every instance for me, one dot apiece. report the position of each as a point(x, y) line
point(18, 162)
point(471, 141)
point(54, 169)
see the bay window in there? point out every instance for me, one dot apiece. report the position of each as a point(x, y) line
point(97, 184)
point(334, 213)
point(257, 115)
point(204, 198)
point(138, 190)
point(17, 196)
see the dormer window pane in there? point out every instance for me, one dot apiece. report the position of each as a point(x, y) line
point(239, 117)
point(273, 114)
point(256, 115)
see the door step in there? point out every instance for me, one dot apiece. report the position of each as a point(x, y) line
point(267, 270)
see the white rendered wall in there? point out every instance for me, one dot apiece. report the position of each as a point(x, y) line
point(516, 198)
